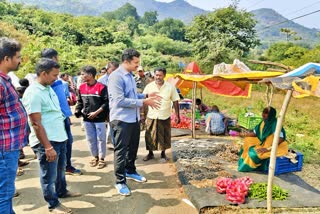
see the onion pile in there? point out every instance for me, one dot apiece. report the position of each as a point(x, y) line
point(236, 190)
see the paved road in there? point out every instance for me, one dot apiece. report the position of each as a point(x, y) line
point(161, 194)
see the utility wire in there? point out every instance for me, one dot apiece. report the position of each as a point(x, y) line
point(317, 11)
point(317, 2)
point(255, 4)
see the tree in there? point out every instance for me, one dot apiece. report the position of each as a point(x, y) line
point(100, 36)
point(277, 51)
point(132, 25)
point(222, 35)
point(289, 33)
point(172, 28)
point(122, 13)
point(122, 37)
point(150, 18)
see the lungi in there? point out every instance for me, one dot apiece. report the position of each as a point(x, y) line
point(158, 134)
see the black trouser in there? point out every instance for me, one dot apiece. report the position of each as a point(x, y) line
point(127, 137)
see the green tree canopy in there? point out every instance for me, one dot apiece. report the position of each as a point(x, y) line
point(150, 18)
point(222, 35)
point(172, 28)
point(122, 13)
point(276, 52)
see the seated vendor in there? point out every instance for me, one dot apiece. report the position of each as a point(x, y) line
point(203, 109)
point(216, 122)
point(256, 150)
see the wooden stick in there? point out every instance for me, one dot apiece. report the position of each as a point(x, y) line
point(274, 149)
point(276, 70)
point(194, 91)
point(287, 68)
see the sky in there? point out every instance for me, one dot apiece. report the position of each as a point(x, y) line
point(287, 8)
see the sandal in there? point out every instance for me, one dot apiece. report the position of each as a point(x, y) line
point(20, 171)
point(102, 164)
point(22, 163)
point(148, 157)
point(94, 162)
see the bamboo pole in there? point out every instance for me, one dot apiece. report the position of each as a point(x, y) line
point(193, 119)
point(287, 68)
point(274, 149)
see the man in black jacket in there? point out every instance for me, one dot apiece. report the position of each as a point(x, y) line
point(93, 106)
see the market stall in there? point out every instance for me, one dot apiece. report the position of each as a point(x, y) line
point(235, 83)
point(301, 82)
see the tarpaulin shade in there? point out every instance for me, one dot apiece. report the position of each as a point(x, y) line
point(303, 80)
point(231, 84)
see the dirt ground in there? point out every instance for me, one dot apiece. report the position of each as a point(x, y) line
point(161, 194)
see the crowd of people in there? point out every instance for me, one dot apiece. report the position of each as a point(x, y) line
point(112, 103)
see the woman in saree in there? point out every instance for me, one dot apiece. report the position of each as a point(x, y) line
point(255, 152)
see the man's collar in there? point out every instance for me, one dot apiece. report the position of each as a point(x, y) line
point(5, 76)
point(40, 86)
point(124, 71)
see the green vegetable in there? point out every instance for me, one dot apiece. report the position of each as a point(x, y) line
point(259, 191)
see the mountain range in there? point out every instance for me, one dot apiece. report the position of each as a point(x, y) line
point(267, 19)
point(178, 9)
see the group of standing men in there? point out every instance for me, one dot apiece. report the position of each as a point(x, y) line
point(114, 98)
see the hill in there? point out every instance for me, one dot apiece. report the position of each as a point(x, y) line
point(182, 10)
point(269, 31)
point(178, 9)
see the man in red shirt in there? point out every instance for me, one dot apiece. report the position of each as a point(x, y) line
point(13, 122)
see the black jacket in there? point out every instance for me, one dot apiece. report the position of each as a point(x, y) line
point(90, 98)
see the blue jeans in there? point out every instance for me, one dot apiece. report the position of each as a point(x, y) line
point(8, 170)
point(67, 124)
point(96, 138)
point(52, 177)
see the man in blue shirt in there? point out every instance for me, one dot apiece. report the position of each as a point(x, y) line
point(125, 104)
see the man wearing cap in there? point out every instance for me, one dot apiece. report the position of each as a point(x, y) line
point(141, 79)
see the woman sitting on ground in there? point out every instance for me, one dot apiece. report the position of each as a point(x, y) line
point(216, 122)
point(255, 153)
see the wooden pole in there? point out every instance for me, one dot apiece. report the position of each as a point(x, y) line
point(274, 149)
point(193, 119)
point(287, 68)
